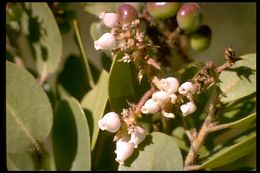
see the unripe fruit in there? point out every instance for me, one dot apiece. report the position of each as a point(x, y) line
point(200, 39)
point(189, 17)
point(96, 30)
point(126, 13)
point(162, 10)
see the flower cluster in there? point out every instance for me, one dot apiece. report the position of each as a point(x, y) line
point(107, 41)
point(127, 35)
point(171, 93)
point(130, 135)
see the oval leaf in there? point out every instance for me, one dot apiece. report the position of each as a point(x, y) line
point(158, 152)
point(43, 30)
point(20, 161)
point(240, 80)
point(231, 153)
point(29, 113)
point(95, 102)
point(71, 141)
point(120, 85)
point(123, 85)
point(244, 122)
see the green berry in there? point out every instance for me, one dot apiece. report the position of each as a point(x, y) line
point(162, 10)
point(189, 17)
point(97, 29)
point(200, 40)
point(126, 13)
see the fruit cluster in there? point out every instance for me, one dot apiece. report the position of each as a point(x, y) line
point(189, 19)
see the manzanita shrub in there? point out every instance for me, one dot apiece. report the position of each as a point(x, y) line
point(152, 105)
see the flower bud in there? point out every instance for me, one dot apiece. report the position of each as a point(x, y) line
point(170, 85)
point(187, 88)
point(150, 107)
point(110, 122)
point(106, 42)
point(109, 19)
point(161, 97)
point(168, 114)
point(188, 108)
point(124, 149)
point(138, 134)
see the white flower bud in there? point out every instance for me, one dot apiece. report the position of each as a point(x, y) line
point(106, 42)
point(109, 19)
point(170, 84)
point(161, 97)
point(124, 149)
point(138, 134)
point(110, 122)
point(150, 107)
point(188, 108)
point(173, 98)
point(168, 114)
point(187, 88)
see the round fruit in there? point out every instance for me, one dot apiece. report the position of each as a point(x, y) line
point(126, 13)
point(189, 17)
point(162, 10)
point(200, 40)
point(96, 30)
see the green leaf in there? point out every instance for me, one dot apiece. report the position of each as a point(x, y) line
point(240, 108)
point(231, 153)
point(178, 134)
point(28, 110)
point(123, 85)
point(120, 85)
point(244, 122)
point(71, 141)
point(94, 103)
point(158, 152)
point(20, 161)
point(45, 37)
point(240, 80)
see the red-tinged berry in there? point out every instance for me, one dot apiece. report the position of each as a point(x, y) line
point(162, 10)
point(189, 17)
point(126, 13)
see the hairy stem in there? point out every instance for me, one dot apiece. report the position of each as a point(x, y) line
point(222, 67)
point(202, 134)
point(192, 168)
